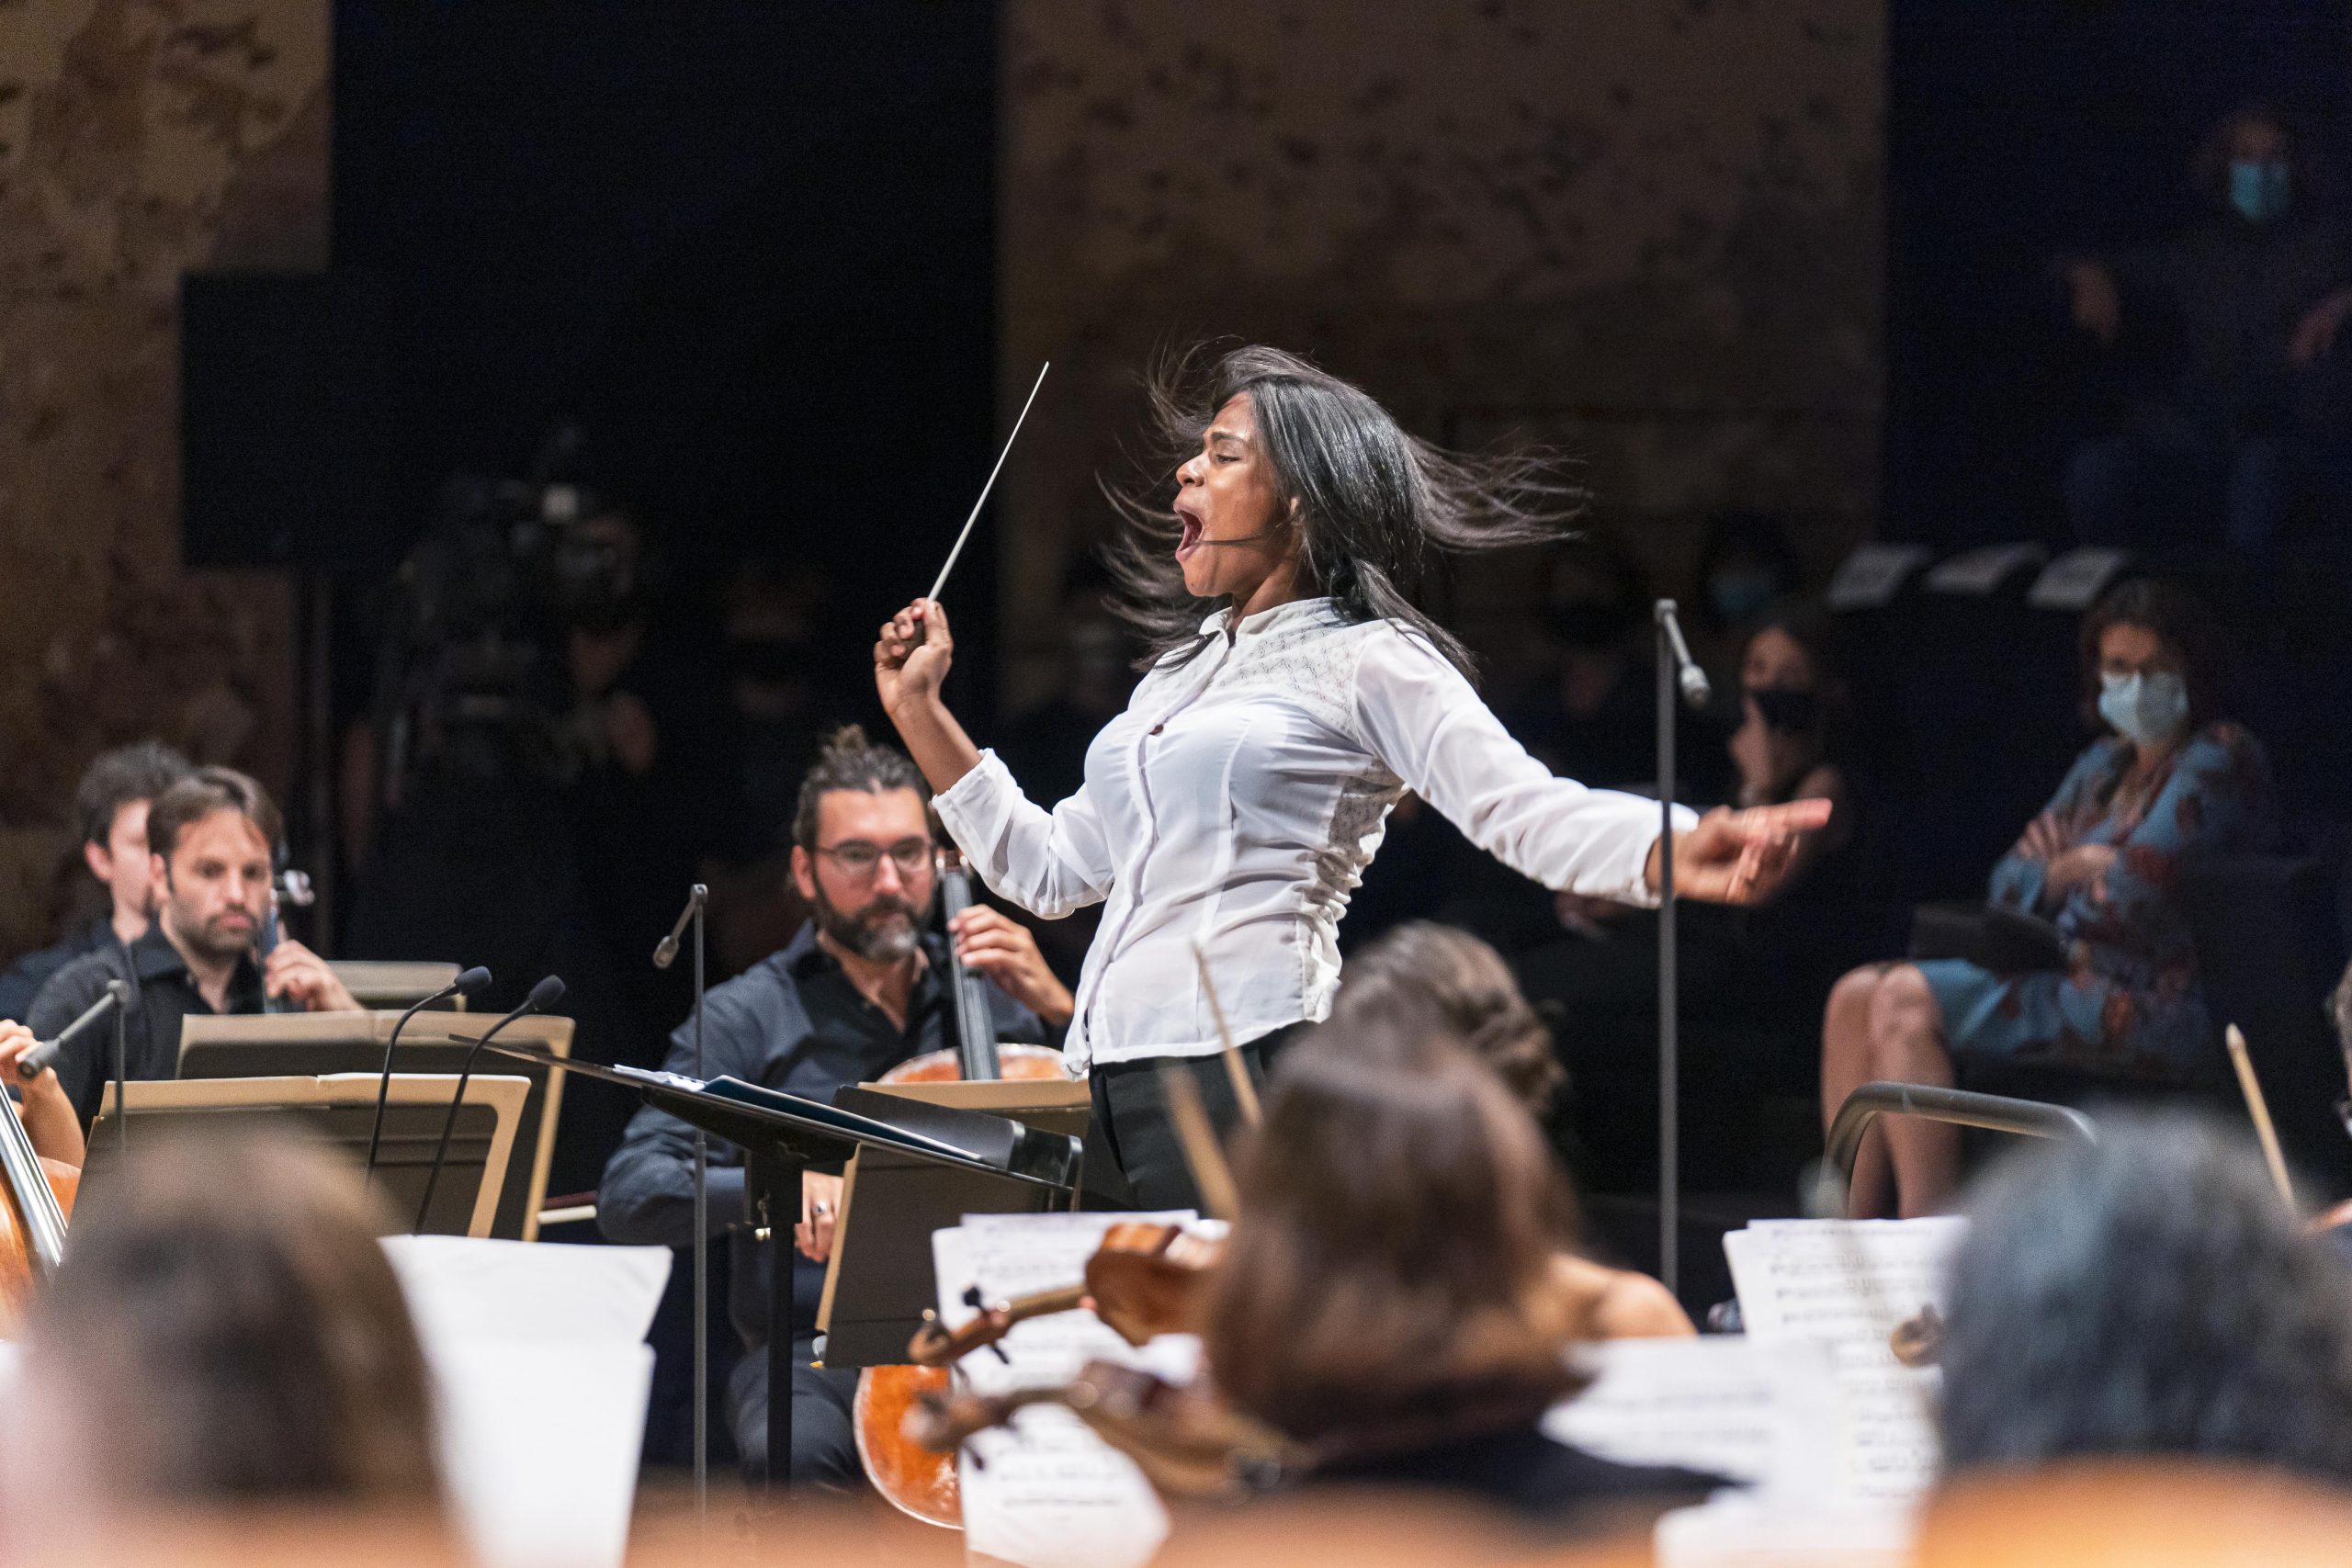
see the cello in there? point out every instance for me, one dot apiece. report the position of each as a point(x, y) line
point(35, 1196)
point(916, 1479)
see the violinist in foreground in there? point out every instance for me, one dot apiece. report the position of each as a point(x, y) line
point(1392, 1297)
point(1398, 1306)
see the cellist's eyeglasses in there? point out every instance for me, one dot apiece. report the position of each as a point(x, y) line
point(861, 860)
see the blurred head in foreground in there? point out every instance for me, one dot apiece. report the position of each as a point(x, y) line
point(2150, 1296)
point(1393, 1257)
point(225, 1331)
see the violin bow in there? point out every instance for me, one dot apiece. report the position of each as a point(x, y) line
point(1245, 1093)
point(1211, 1174)
point(2259, 1109)
point(1001, 457)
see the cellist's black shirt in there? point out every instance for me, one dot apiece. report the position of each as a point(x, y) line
point(791, 1021)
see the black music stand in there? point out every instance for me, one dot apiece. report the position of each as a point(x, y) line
point(784, 1134)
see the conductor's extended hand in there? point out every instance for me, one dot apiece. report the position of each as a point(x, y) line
point(913, 656)
point(1738, 857)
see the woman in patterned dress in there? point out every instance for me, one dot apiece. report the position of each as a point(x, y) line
point(2166, 782)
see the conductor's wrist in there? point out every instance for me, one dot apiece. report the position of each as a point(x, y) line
point(918, 707)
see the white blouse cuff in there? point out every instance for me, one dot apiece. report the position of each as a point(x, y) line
point(969, 797)
point(1636, 890)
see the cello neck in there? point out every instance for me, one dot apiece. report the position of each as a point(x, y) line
point(975, 1028)
point(29, 1185)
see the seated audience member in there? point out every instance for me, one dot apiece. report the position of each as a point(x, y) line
point(2147, 1296)
point(225, 1331)
point(210, 838)
point(111, 806)
point(1778, 959)
point(1390, 1298)
point(861, 988)
point(1446, 979)
point(2238, 415)
point(2168, 781)
point(1596, 721)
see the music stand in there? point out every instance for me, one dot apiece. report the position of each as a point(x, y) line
point(308, 1045)
point(339, 1109)
point(880, 1278)
point(784, 1134)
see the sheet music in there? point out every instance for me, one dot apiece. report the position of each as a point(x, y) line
point(1848, 1284)
point(1887, 1416)
point(1838, 1280)
point(1762, 1416)
point(1046, 1492)
point(474, 1287)
point(538, 1356)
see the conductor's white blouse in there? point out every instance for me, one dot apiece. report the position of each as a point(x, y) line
point(1235, 805)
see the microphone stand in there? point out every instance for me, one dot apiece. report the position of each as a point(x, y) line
point(666, 954)
point(1675, 669)
point(120, 992)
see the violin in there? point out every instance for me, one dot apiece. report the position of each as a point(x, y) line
point(919, 1481)
point(1143, 1280)
point(1186, 1442)
point(35, 1196)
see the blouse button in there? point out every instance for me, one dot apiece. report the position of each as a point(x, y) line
point(1158, 728)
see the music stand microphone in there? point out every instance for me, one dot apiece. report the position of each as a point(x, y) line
point(469, 983)
point(665, 952)
point(1677, 673)
point(544, 994)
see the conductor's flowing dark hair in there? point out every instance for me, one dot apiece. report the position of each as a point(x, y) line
point(1374, 507)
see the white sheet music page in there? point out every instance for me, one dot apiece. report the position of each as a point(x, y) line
point(1848, 1285)
point(1760, 1416)
point(1046, 1492)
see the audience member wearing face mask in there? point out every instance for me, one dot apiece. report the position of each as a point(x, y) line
point(2234, 417)
point(2167, 781)
point(1753, 979)
point(2148, 1297)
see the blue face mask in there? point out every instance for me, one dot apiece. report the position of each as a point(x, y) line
point(2258, 188)
point(2145, 709)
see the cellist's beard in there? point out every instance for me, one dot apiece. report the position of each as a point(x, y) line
point(871, 934)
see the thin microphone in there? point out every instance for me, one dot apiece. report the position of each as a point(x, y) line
point(469, 983)
point(39, 1060)
point(665, 951)
point(544, 994)
point(1688, 675)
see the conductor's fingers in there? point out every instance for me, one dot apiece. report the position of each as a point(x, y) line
point(1778, 821)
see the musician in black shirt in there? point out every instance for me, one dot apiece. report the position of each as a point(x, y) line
point(859, 989)
point(209, 838)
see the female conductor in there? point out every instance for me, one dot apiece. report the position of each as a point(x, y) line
point(1294, 693)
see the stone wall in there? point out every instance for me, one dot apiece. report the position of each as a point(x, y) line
point(1648, 229)
point(139, 139)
